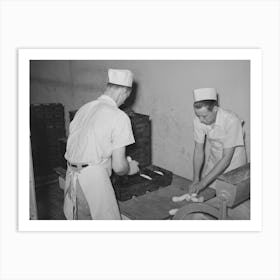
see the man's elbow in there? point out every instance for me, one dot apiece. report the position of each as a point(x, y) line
point(121, 172)
point(121, 169)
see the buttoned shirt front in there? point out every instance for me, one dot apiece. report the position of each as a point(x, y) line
point(226, 132)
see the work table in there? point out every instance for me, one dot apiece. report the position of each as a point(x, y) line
point(157, 204)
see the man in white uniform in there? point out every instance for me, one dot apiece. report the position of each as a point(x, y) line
point(98, 136)
point(223, 132)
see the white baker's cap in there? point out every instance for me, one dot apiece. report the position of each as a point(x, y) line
point(204, 94)
point(120, 77)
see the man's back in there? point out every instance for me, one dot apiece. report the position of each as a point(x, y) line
point(90, 134)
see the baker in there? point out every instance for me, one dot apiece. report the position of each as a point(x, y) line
point(222, 132)
point(98, 136)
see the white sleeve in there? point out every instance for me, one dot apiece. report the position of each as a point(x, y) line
point(234, 136)
point(122, 134)
point(198, 132)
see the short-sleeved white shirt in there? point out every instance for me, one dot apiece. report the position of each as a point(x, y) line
point(97, 129)
point(226, 132)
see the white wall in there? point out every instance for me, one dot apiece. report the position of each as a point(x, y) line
point(164, 92)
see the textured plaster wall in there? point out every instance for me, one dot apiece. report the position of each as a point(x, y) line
point(163, 91)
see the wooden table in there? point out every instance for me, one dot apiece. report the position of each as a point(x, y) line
point(156, 205)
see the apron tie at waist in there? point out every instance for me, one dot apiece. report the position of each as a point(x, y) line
point(77, 165)
point(71, 192)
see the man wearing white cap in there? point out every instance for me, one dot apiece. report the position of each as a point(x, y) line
point(98, 136)
point(223, 132)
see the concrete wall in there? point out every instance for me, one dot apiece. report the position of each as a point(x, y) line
point(163, 91)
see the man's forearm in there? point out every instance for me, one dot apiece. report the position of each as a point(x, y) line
point(217, 170)
point(197, 164)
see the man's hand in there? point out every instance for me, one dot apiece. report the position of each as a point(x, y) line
point(133, 166)
point(196, 187)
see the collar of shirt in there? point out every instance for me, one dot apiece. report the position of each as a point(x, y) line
point(218, 121)
point(107, 99)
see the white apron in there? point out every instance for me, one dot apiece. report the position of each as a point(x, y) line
point(239, 157)
point(98, 128)
point(98, 190)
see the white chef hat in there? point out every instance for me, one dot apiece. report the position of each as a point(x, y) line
point(204, 94)
point(120, 77)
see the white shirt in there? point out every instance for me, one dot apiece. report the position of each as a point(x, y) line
point(97, 129)
point(226, 132)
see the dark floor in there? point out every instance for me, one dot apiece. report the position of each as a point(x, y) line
point(49, 201)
